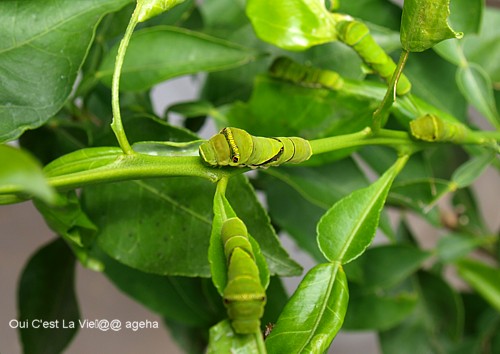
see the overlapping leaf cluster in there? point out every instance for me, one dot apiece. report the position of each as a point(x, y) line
point(151, 236)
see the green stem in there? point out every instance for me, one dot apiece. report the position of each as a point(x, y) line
point(117, 124)
point(392, 138)
point(382, 112)
point(261, 347)
point(220, 193)
point(140, 166)
point(127, 167)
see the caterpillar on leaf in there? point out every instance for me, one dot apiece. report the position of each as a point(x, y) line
point(244, 296)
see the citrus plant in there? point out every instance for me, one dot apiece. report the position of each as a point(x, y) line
point(341, 110)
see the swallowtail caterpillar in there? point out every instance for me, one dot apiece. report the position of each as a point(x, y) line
point(432, 128)
point(357, 35)
point(244, 295)
point(286, 69)
point(235, 147)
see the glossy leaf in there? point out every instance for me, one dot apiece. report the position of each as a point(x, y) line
point(436, 321)
point(377, 311)
point(151, 60)
point(425, 23)
point(224, 340)
point(384, 266)
point(476, 87)
point(38, 45)
point(300, 111)
point(216, 253)
point(314, 314)
point(348, 227)
point(292, 24)
point(299, 196)
point(245, 203)
point(452, 51)
point(69, 221)
point(47, 293)
point(483, 278)
point(151, 8)
point(174, 212)
point(192, 301)
point(20, 171)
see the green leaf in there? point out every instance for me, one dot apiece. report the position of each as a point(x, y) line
point(455, 246)
point(348, 227)
point(37, 44)
point(295, 110)
point(443, 93)
point(216, 254)
point(380, 12)
point(425, 23)
point(376, 311)
point(192, 109)
point(147, 224)
point(470, 219)
point(277, 298)
point(394, 264)
point(47, 294)
point(436, 322)
point(151, 60)
point(151, 8)
point(234, 15)
point(224, 340)
point(483, 278)
point(191, 339)
point(69, 221)
point(175, 218)
point(476, 87)
point(451, 51)
point(191, 301)
point(467, 15)
point(292, 24)
point(299, 196)
point(142, 128)
point(484, 49)
point(20, 171)
point(468, 172)
point(314, 314)
point(246, 205)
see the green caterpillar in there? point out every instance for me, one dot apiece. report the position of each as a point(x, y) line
point(431, 128)
point(244, 295)
point(284, 68)
point(357, 35)
point(235, 147)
